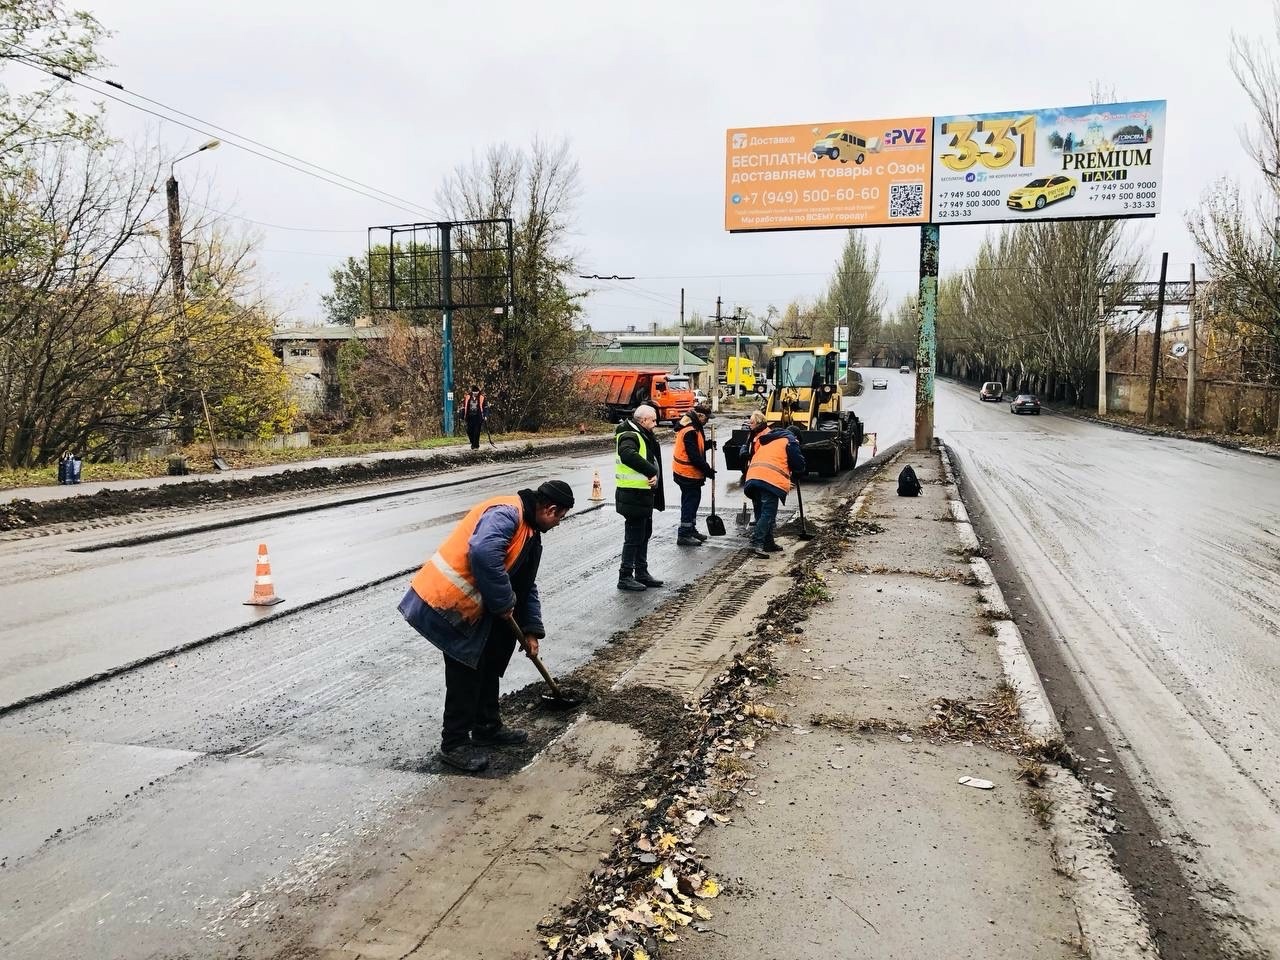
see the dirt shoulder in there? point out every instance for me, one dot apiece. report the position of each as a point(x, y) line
point(23, 513)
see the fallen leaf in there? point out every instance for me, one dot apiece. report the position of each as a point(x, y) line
point(702, 912)
point(749, 743)
point(977, 782)
point(667, 879)
point(718, 817)
point(905, 738)
point(709, 889)
point(650, 804)
point(667, 842)
point(695, 817)
point(552, 942)
point(670, 937)
point(645, 844)
point(639, 953)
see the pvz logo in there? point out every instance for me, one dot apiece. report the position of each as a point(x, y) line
point(971, 177)
point(739, 141)
point(904, 137)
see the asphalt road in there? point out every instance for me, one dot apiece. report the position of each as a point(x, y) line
point(178, 808)
point(1156, 563)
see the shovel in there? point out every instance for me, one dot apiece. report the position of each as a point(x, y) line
point(805, 533)
point(558, 699)
point(715, 526)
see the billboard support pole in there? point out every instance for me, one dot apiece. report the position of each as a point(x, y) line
point(446, 298)
point(926, 345)
point(1155, 340)
point(715, 363)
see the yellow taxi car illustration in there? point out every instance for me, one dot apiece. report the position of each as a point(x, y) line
point(1041, 192)
point(844, 145)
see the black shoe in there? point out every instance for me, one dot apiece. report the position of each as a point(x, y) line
point(772, 547)
point(688, 540)
point(701, 536)
point(647, 580)
point(759, 552)
point(501, 737)
point(465, 758)
point(631, 584)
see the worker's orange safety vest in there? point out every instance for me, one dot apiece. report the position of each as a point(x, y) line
point(679, 459)
point(769, 464)
point(446, 582)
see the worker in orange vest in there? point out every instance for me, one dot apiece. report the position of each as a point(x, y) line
point(464, 599)
point(775, 456)
point(690, 470)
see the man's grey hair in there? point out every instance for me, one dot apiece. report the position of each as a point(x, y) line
point(644, 410)
point(757, 418)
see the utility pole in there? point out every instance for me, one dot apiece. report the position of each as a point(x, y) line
point(1155, 342)
point(175, 240)
point(715, 362)
point(680, 348)
point(927, 343)
point(446, 299)
point(737, 351)
point(1102, 359)
point(1189, 415)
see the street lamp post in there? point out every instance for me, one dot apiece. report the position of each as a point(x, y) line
point(188, 407)
point(175, 222)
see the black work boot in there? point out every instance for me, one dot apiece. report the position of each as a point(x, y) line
point(757, 550)
point(772, 546)
point(643, 577)
point(700, 535)
point(464, 757)
point(628, 582)
point(500, 736)
point(688, 537)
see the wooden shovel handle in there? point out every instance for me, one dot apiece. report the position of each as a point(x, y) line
point(555, 688)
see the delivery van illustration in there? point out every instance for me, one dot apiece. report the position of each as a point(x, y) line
point(845, 145)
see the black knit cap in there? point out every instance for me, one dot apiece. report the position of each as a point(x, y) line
point(557, 492)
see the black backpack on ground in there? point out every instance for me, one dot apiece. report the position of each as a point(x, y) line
point(908, 483)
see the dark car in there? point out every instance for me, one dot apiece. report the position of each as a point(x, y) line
point(991, 390)
point(1025, 403)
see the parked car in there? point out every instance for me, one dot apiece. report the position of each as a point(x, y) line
point(879, 383)
point(991, 390)
point(904, 369)
point(1025, 403)
point(701, 398)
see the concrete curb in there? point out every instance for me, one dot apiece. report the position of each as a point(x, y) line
point(1111, 923)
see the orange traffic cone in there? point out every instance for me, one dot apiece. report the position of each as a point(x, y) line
point(264, 593)
point(596, 492)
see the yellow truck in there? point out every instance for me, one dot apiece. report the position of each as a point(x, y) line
point(739, 376)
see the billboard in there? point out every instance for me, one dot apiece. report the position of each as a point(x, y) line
point(842, 173)
point(1062, 163)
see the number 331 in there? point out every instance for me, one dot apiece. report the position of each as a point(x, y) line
point(997, 136)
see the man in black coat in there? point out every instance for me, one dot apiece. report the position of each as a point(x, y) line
point(638, 475)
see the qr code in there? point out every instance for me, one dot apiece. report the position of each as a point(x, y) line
point(906, 200)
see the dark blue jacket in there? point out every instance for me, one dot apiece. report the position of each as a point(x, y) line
point(502, 591)
point(795, 463)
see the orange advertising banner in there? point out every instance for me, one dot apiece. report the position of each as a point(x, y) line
point(848, 173)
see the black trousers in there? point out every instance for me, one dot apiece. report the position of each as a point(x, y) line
point(474, 425)
point(635, 542)
point(471, 695)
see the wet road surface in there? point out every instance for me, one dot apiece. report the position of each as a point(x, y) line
point(185, 806)
point(1157, 564)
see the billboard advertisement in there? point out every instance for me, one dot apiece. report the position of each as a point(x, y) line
point(1062, 163)
point(843, 173)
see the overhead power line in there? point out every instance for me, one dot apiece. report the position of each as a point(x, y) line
point(50, 67)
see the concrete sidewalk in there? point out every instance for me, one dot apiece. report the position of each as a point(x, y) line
point(861, 838)
point(59, 492)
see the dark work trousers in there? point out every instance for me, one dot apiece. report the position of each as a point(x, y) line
point(635, 542)
point(763, 532)
point(474, 426)
point(471, 695)
point(690, 500)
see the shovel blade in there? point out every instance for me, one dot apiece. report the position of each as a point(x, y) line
point(715, 526)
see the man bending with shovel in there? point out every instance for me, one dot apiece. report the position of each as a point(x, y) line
point(464, 600)
point(775, 456)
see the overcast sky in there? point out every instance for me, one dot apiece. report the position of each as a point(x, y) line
point(397, 94)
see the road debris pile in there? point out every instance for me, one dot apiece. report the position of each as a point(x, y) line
point(653, 886)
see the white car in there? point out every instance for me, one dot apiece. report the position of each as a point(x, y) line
point(700, 398)
point(879, 383)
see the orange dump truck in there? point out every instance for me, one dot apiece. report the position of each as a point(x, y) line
point(618, 393)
